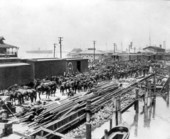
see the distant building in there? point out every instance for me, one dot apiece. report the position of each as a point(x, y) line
point(167, 50)
point(7, 50)
point(74, 53)
point(154, 53)
point(89, 54)
point(154, 50)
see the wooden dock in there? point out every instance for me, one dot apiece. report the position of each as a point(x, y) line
point(78, 113)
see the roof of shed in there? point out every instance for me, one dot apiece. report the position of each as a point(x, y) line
point(7, 46)
point(13, 65)
point(154, 47)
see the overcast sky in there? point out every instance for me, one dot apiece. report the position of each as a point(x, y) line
point(38, 23)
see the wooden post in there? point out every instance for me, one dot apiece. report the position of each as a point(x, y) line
point(146, 94)
point(42, 133)
point(145, 115)
point(154, 82)
point(137, 101)
point(88, 110)
point(146, 105)
point(144, 72)
point(136, 123)
point(110, 123)
point(88, 125)
point(116, 118)
point(168, 92)
point(88, 130)
point(146, 97)
point(105, 134)
point(118, 111)
point(151, 102)
point(150, 93)
point(149, 114)
point(154, 106)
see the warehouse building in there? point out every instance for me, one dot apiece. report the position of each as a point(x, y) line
point(15, 73)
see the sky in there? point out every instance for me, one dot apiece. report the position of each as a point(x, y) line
point(33, 24)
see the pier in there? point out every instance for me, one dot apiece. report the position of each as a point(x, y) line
point(118, 109)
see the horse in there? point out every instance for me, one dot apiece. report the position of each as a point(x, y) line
point(43, 88)
point(12, 96)
point(62, 87)
point(32, 95)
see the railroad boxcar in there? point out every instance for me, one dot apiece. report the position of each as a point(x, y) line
point(15, 73)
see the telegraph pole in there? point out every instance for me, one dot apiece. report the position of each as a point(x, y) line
point(115, 47)
point(60, 42)
point(164, 57)
point(130, 46)
point(94, 43)
point(164, 44)
point(149, 38)
point(54, 49)
point(121, 46)
point(134, 49)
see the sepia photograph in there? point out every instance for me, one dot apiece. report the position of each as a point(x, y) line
point(84, 69)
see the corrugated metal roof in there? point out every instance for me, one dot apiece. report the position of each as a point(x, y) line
point(154, 47)
point(13, 65)
point(91, 52)
point(76, 59)
point(76, 50)
point(9, 58)
point(43, 59)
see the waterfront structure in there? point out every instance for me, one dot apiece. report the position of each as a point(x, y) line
point(154, 49)
point(154, 52)
point(89, 54)
point(167, 56)
point(75, 53)
point(7, 50)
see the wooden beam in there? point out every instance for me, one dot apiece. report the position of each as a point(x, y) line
point(161, 76)
point(55, 133)
point(21, 134)
point(68, 112)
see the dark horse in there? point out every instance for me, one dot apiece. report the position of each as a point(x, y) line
point(43, 88)
point(15, 95)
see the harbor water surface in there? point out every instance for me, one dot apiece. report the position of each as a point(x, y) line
point(152, 121)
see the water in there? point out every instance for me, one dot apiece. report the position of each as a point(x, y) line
point(24, 54)
point(153, 122)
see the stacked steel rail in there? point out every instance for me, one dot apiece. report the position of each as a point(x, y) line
point(59, 117)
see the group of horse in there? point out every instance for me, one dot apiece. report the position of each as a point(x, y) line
point(68, 85)
point(71, 84)
point(21, 93)
point(29, 91)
